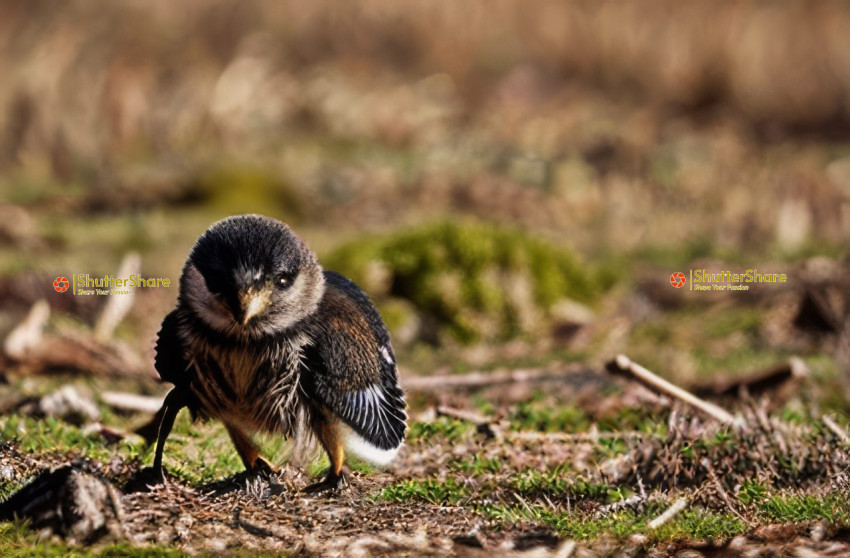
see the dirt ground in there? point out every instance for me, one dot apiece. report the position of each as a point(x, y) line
point(445, 492)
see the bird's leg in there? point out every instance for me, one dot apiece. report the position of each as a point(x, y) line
point(336, 479)
point(248, 451)
point(174, 401)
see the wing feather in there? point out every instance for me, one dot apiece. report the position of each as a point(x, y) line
point(170, 362)
point(349, 366)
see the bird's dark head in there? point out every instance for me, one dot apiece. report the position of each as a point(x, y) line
point(252, 275)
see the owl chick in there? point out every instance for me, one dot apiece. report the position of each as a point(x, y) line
point(266, 341)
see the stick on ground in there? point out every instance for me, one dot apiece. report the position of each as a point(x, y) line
point(132, 401)
point(669, 514)
point(836, 429)
point(482, 379)
point(622, 364)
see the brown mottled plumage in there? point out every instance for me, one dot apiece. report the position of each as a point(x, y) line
point(265, 341)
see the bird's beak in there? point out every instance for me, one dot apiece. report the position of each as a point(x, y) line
point(253, 303)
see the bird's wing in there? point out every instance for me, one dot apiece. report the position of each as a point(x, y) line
point(170, 361)
point(350, 368)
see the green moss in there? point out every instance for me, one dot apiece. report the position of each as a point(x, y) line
point(473, 280)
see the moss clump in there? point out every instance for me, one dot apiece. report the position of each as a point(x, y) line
point(473, 281)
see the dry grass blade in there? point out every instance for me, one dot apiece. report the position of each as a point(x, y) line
point(131, 402)
point(712, 474)
point(836, 429)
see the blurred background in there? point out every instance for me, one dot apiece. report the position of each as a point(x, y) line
point(512, 183)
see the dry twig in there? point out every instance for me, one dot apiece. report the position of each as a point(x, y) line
point(836, 429)
point(622, 364)
point(460, 414)
point(481, 379)
point(574, 438)
point(131, 401)
point(499, 430)
point(669, 514)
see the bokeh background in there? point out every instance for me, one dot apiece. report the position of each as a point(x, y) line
point(513, 183)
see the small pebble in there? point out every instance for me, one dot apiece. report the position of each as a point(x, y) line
point(818, 533)
point(7, 472)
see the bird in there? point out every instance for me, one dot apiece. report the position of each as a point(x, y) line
point(265, 340)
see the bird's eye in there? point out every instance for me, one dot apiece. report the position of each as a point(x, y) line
point(284, 281)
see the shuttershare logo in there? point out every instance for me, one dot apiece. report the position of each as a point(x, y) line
point(678, 279)
point(724, 280)
point(83, 284)
point(61, 284)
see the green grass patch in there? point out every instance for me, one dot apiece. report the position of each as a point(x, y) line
point(433, 491)
point(533, 484)
point(448, 428)
point(478, 465)
point(18, 541)
point(691, 524)
point(543, 417)
point(833, 507)
point(37, 435)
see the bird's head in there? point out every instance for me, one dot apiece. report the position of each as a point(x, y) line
point(251, 274)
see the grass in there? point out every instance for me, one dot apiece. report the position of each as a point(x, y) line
point(541, 417)
point(49, 434)
point(529, 192)
point(694, 523)
point(18, 541)
point(444, 427)
point(536, 484)
point(491, 485)
point(833, 508)
point(585, 508)
point(437, 492)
